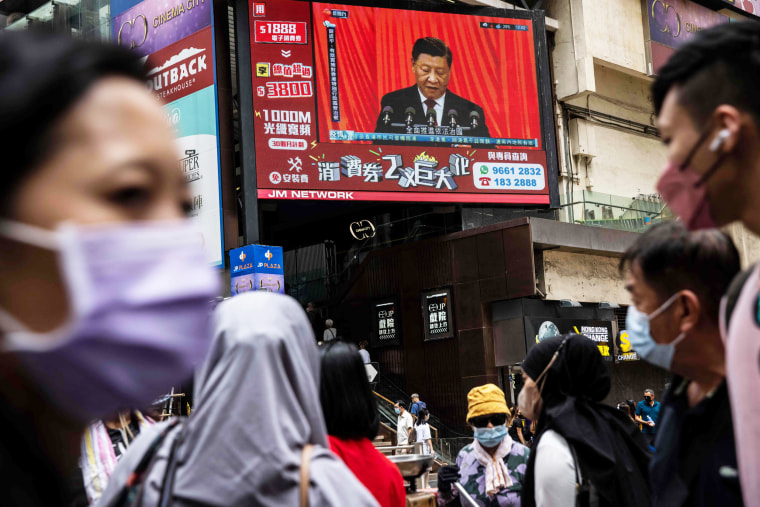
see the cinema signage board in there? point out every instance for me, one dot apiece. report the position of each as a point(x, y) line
point(176, 40)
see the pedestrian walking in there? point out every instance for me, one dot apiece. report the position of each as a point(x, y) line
point(647, 414)
point(257, 434)
point(363, 352)
point(422, 428)
point(330, 333)
point(711, 124)
point(311, 313)
point(517, 428)
point(103, 444)
point(416, 404)
point(404, 425)
point(685, 273)
point(491, 469)
point(352, 421)
point(584, 452)
point(104, 285)
point(424, 437)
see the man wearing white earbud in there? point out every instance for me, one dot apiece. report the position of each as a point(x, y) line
point(709, 117)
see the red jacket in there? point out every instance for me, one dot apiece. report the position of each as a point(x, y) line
point(381, 477)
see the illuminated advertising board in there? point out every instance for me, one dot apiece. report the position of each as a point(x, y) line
point(538, 329)
point(367, 103)
point(624, 349)
point(256, 267)
point(386, 319)
point(670, 24)
point(177, 40)
point(437, 318)
point(749, 6)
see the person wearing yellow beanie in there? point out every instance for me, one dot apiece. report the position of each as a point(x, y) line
point(492, 467)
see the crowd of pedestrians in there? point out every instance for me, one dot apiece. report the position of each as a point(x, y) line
point(92, 186)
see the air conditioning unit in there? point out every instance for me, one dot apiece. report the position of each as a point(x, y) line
point(582, 138)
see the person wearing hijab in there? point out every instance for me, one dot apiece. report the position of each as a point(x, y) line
point(584, 452)
point(492, 467)
point(256, 417)
point(104, 283)
point(353, 421)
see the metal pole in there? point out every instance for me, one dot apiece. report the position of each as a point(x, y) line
point(249, 187)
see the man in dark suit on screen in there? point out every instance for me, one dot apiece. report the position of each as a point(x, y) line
point(429, 102)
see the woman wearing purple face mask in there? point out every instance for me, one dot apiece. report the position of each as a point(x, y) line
point(104, 285)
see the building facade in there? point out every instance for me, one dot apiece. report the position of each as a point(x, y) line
point(450, 281)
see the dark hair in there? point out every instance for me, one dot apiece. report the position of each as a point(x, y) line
point(625, 408)
point(401, 404)
point(348, 404)
point(433, 47)
point(421, 415)
point(41, 77)
point(671, 259)
point(718, 66)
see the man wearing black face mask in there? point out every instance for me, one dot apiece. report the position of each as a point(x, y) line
point(709, 117)
point(647, 413)
point(675, 278)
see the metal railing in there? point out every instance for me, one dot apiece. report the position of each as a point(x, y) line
point(597, 209)
point(449, 448)
point(83, 19)
point(391, 404)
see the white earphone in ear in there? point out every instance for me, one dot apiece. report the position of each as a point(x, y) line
point(719, 139)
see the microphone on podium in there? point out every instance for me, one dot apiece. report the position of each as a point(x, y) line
point(474, 120)
point(452, 115)
point(410, 112)
point(387, 112)
point(431, 118)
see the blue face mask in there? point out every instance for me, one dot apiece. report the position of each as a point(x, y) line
point(398, 411)
point(637, 325)
point(491, 437)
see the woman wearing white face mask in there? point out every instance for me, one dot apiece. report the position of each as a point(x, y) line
point(584, 452)
point(104, 286)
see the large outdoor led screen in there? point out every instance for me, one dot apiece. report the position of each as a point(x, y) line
point(366, 103)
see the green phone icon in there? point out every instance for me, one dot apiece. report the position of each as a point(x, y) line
point(483, 169)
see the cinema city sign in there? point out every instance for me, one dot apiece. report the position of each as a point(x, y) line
point(363, 229)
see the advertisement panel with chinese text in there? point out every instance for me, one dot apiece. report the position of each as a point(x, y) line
point(386, 323)
point(437, 317)
point(176, 40)
point(367, 103)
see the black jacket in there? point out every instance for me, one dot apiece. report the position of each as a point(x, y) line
point(400, 100)
point(695, 462)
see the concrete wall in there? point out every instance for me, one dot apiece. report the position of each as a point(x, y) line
point(615, 32)
point(630, 379)
point(583, 277)
point(626, 164)
point(746, 242)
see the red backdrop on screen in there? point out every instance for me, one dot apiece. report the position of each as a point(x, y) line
point(494, 68)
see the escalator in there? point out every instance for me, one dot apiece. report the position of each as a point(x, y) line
point(446, 442)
